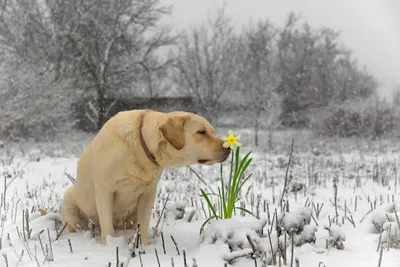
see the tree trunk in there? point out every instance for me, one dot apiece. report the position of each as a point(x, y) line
point(256, 134)
point(101, 109)
point(256, 127)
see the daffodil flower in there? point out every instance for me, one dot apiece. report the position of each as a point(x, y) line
point(231, 140)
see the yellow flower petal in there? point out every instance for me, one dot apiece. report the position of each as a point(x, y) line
point(238, 137)
point(226, 144)
point(230, 132)
point(238, 144)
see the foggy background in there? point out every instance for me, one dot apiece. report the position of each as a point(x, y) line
point(366, 26)
point(309, 68)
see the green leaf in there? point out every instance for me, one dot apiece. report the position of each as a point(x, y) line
point(222, 189)
point(243, 182)
point(204, 195)
point(246, 210)
point(222, 206)
point(236, 161)
point(210, 194)
point(230, 175)
point(244, 160)
point(244, 168)
point(205, 222)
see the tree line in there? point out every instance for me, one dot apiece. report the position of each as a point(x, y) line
point(55, 52)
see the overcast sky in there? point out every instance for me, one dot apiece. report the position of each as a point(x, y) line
point(371, 28)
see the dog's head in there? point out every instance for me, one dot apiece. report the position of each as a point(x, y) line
point(191, 139)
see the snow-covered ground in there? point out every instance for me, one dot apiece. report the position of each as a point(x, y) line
point(367, 188)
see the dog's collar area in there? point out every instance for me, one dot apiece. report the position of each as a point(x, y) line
point(145, 147)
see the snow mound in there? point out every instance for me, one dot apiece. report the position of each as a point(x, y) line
point(296, 220)
point(177, 209)
point(336, 236)
point(381, 217)
point(241, 238)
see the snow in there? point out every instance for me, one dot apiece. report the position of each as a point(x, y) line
point(39, 182)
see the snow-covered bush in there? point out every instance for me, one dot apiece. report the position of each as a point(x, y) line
point(295, 220)
point(373, 117)
point(178, 209)
point(336, 237)
point(236, 236)
point(306, 236)
point(380, 218)
point(297, 224)
point(394, 239)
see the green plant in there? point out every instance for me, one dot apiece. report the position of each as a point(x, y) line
point(228, 194)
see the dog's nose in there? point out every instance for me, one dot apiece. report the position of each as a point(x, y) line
point(226, 152)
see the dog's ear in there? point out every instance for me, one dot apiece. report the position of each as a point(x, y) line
point(172, 128)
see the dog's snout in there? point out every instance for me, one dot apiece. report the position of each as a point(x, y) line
point(225, 152)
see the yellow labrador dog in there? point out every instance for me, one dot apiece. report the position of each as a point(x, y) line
point(118, 172)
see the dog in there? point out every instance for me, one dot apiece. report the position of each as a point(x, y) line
point(118, 172)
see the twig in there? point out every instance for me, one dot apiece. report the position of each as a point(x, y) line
point(351, 220)
point(176, 245)
point(201, 179)
point(163, 243)
point(51, 257)
point(286, 175)
point(362, 219)
point(140, 259)
point(292, 256)
point(70, 245)
point(20, 258)
point(41, 243)
point(272, 249)
point(155, 228)
point(251, 242)
point(158, 260)
point(117, 256)
point(5, 259)
point(62, 230)
point(380, 257)
point(335, 192)
point(28, 232)
point(397, 217)
point(184, 258)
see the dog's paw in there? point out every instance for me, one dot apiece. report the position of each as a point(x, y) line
point(115, 241)
point(142, 249)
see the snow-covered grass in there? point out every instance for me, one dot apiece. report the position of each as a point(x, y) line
point(311, 227)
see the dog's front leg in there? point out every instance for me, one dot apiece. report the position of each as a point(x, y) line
point(104, 205)
point(144, 207)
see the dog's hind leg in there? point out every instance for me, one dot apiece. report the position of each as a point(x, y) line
point(71, 214)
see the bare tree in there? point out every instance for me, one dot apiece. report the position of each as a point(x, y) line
point(207, 63)
point(296, 50)
point(34, 103)
point(23, 32)
point(154, 82)
point(29, 108)
point(110, 43)
point(260, 77)
point(104, 45)
point(316, 71)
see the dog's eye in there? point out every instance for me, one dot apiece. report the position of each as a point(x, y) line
point(202, 132)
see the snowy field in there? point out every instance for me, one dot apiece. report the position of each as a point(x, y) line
point(355, 225)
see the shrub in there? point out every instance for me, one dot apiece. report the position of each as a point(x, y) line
point(373, 118)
